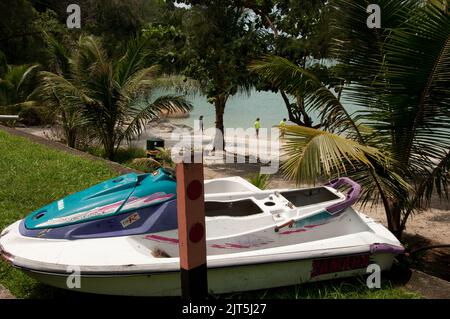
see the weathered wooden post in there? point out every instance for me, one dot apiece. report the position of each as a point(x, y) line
point(191, 230)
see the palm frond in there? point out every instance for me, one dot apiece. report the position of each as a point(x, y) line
point(296, 80)
point(137, 116)
point(421, 93)
point(90, 52)
point(180, 84)
point(16, 84)
point(164, 157)
point(142, 80)
point(30, 72)
point(436, 181)
point(51, 83)
point(312, 153)
point(133, 60)
point(60, 55)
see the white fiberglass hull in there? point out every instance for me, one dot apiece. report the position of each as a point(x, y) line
point(220, 280)
point(126, 266)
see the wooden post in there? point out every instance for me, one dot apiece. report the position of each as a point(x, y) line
point(191, 230)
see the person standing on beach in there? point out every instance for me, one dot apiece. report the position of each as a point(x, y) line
point(257, 127)
point(200, 120)
point(282, 127)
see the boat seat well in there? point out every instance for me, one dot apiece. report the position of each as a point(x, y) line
point(239, 208)
point(305, 197)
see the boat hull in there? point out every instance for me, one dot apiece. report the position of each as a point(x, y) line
point(220, 280)
point(255, 239)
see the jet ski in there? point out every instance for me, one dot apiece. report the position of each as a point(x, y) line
point(121, 237)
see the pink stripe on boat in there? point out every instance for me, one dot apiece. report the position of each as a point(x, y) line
point(147, 200)
point(315, 225)
point(237, 245)
point(293, 231)
point(162, 239)
point(218, 246)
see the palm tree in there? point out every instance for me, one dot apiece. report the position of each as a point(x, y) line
point(397, 146)
point(111, 97)
point(15, 85)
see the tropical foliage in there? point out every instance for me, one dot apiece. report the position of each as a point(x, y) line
point(111, 97)
point(399, 76)
point(299, 31)
point(259, 180)
point(16, 86)
point(218, 40)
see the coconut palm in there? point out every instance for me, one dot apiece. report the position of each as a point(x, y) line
point(397, 146)
point(112, 97)
point(15, 85)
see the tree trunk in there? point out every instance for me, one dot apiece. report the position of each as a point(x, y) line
point(109, 151)
point(219, 104)
point(393, 216)
point(69, 132)
point(296, 111)
point(109, 145)
point(301, 110)
point(71, 138)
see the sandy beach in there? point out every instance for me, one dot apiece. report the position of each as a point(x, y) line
point(433, 223)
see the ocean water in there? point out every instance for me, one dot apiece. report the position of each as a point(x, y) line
point(241, 110)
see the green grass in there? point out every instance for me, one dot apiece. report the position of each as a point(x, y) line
point(348, 288)
point(32, 176)
point(124, 156)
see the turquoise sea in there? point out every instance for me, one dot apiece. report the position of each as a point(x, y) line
point(242, 110)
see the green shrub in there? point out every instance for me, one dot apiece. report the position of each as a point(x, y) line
point(30, 116)
point(259, 180)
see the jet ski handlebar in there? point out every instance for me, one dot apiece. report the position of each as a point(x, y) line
point(352, 194)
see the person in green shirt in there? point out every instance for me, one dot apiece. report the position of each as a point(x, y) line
point(257, 127)
point(282, 127)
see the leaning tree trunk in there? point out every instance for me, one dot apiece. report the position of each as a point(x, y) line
point(301, 110)
point(296, 111)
